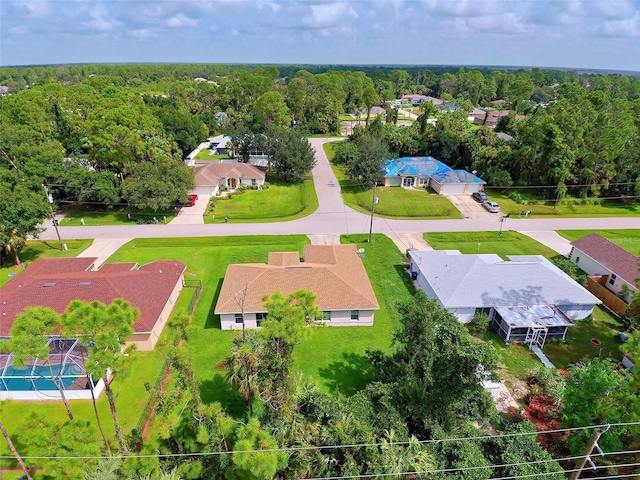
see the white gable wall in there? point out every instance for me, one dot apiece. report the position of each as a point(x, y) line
point(593, 267)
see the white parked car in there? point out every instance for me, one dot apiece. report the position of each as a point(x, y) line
point(493, 207)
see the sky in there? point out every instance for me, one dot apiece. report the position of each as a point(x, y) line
point(594, 34)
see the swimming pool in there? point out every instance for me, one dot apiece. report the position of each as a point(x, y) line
point(39, 377)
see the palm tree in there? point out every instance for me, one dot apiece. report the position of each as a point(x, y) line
point(14, 242)
point(242, 365)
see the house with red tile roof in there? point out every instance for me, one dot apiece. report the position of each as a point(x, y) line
point(334, 273)
point(597, 255)
point(54, 282)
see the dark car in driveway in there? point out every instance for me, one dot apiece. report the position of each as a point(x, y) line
point(480, 197)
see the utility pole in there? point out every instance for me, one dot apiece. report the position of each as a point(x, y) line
point(53, 218)
point(591, 445)
point(373, 205)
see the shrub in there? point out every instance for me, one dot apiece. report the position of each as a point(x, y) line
point(479, 323)
point(516, 197)
point(570, 268)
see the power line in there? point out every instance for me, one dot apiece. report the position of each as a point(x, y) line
point(359, 445)
point(479, 467)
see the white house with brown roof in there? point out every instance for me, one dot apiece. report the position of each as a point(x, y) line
point(334, 273)
point(210, 176)
point(596, 255)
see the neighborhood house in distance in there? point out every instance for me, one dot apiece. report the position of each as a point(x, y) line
point(528, 299)
point(53, 283)
point(612, 270)
point(212, 176)
point(334, 273)
point(430, 172)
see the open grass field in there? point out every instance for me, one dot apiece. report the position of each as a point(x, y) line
point(278, 203)
point(609, 208)
point(102, 215)
point(40, 248)
point(627, 239)
point(394, 202)
point(510, 243)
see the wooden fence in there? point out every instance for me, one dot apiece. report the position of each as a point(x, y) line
point(595, 284)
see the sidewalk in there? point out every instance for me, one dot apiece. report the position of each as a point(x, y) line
point(103, 248)
point(552, 240)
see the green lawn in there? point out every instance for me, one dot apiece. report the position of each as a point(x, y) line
point(335, 356)
point(40, 248)
point(393, 202)
point(204, 155)
point(141, 368)
point(332, 356)
point(604, 327)
point(627, 239)
point(510, 243)
point(609, 208)
point(278, 203)
point(102, 215)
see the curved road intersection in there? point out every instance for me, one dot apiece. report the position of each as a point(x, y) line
point(334, 218)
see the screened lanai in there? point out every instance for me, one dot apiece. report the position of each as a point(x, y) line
point(66, 362)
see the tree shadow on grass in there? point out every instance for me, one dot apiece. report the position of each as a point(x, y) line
point(349, 375)
point(213, 320)
point(405, 276)
point(218, 390)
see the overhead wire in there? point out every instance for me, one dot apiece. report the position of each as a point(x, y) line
point(360, 445)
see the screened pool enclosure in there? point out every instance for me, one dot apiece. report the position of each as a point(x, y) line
point(34, 381)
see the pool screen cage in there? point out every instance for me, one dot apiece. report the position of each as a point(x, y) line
point(67, 358)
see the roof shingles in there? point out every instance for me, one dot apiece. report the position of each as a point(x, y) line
point(624, 264)
point(147, 288)
point(334, 273)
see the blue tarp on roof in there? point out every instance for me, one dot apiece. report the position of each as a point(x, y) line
point(428, 167)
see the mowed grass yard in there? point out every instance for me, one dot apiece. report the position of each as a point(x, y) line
point(510, 243)
point(394, 202)
point(278, 203)
point(628, 239)
point(609, 208)
point(333, 357)
point(96, 215)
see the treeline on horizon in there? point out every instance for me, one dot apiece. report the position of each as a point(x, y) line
point(573, 133)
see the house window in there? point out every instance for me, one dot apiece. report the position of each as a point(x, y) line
point(325, 316)
point(486, 310)
point(253, 181)
point(260, 316)
point(612, 280)
point(239, 318)
point(355, 315)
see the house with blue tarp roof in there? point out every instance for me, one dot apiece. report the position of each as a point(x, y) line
point(414, 172)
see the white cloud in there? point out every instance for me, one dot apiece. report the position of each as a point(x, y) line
point(329, 15)
point(181, 21)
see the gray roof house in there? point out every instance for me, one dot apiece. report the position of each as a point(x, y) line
point(523, 296)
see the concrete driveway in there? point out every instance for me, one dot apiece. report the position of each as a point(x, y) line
point(192, 215)
point(469, 208)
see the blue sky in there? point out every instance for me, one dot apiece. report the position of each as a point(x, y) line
point(559, 33)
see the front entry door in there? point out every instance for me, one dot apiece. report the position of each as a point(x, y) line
point(232, 183)
point(407, 182)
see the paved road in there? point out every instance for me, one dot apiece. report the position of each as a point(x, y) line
point(334, 218)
